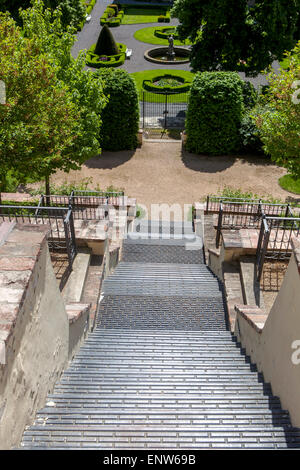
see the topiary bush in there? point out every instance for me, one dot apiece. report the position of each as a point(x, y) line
point(106, 45)
point(215, 110)
point(120, 117)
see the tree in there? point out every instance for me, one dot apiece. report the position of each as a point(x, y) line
point(73, 11)
point(278, 119)
point(44, 28)
point(240, 35)
point(106, 45)
point(38, 124)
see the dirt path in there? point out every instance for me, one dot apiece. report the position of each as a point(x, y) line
point(162, 173)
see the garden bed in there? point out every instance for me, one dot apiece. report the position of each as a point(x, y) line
point(96, 61)
point(148, 36)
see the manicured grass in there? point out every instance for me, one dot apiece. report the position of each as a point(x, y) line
point(142, 15)
point(290, 184)
point(147, 35)
point(149, 74)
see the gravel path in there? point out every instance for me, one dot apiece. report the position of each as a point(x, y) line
point(162, 173)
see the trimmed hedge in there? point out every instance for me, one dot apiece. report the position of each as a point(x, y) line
point(112, 21)
point(149, 85)
point(93, 60)
point(164, 33)
point(120, 117)
point(214, 114)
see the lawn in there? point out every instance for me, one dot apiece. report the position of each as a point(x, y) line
point(149, 74)
point(290, 184)
point(147, 35)
point(142, 15)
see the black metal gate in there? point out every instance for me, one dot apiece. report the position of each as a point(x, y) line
point(163, 110)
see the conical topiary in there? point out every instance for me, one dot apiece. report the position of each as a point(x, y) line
point(106, 45)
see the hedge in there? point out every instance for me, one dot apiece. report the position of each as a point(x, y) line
point(93, 60)
point(150, 86)
point(120, 117)
point(164, 33)
point(215, 111)
point(112, 20)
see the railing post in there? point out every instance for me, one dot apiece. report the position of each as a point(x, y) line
point(262, 246)
point(207, 204)
point(219, 228)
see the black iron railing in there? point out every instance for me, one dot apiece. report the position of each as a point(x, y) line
point(274, 241)
point(247, 214)
point(61, 236)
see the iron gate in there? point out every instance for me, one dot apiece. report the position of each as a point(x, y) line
point(163, 110)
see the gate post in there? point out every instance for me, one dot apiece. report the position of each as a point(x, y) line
point(143, 109)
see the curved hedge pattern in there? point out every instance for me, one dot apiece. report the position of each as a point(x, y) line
point(113, 20)
point(164, 33)
point(93, 60)
point(149, 85)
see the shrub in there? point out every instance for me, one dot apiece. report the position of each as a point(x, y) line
point(106, 45)
point(250, 95)
point(97, 61)
point(214, 114)
point(120, 117)
point(249, 134)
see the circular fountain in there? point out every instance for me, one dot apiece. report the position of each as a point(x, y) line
point(168, 55)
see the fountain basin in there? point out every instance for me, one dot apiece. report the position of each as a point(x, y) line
point(159, 55)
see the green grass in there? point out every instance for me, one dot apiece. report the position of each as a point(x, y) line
point(147, 35)
point(149, 74)
point(142, 15)
point(290, 184)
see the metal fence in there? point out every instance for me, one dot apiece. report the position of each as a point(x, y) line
point(274, 241)
point(247, 214)
point(163, 110)
point(86, 205)
point(61, 236)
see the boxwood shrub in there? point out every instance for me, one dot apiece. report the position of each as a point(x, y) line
point(214, 114)
point(120, 117)
point(94, 60)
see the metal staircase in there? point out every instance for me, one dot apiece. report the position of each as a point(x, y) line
point(161, 370)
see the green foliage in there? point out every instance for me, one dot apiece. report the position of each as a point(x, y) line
point(250, 95)
point(237, 34)
point(106, 45)
point(45, 29)
point(249, 133)
point(73, 11)
point(103, 61)
point(39, 123)
point(121, 115)
point(167, 83)
point(214, 113)
point(140, 77)
point(279, 119)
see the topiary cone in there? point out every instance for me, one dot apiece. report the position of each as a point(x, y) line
point(106, 45)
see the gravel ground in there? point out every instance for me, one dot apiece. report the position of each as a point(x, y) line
point(163, 173)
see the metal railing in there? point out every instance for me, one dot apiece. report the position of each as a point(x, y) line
point(213, 202)
point(86, 205)
point(247, 214)
point(61, 236)
point(274, 241)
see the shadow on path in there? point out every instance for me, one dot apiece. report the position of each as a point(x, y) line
point(109, 160)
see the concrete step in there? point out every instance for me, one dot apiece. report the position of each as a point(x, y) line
point(73, 289)
point(250, 285)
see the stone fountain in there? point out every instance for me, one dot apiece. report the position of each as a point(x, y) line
point(168, 55)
